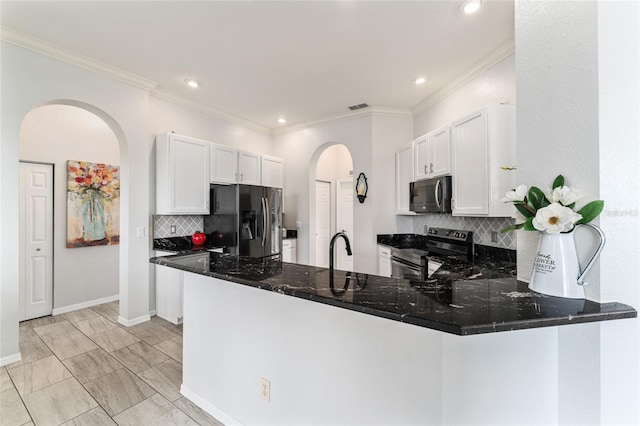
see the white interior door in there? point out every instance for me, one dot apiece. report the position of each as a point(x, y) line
point(344, 222)
point(36, 240)
point(323, 222)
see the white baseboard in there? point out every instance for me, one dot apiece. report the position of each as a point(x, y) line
point(152, 313)
point(10, 359)
point(220, 415)
point(135, 321)
point(90, 303)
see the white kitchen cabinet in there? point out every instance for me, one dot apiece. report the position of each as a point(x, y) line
point(421, 156)
point(249, 168)
point(440, 152)
point(433, 154)
point(272, 171)
point(384, 261)
point(182, 170)
point(482, 142)
point(404, 176)
point(289, 251)
point(223, 164)
point(169, 292)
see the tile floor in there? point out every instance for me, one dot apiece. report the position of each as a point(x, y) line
point(83, 368)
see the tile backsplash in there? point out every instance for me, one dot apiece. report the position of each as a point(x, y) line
point(481, 227)
point(185, 225)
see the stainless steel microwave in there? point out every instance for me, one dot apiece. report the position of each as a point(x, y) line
point(431, 195)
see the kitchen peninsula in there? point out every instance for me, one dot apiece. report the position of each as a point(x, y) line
point(366, 349)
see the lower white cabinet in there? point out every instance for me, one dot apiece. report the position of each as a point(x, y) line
point(169, 292)
point(384, 261)
point(289, 250)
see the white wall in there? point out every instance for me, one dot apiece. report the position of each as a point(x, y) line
point(30, 80)
point(301, 151)
point(372, 141)
point(495, 85)
point(334, 163)
point(54, 134)
point(166, 116)
point(578, 114)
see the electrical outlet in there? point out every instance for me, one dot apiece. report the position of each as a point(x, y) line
point(140, 231)
point(494, 236)
point(265, 389)
point(426, 229)
point(173, 229)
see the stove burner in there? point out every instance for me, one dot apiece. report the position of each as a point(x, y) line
point(451, 242)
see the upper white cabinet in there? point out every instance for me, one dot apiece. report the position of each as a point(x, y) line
point(421, 156)
point(404, 176)
point(249, 168)
point(229, 165)
point(482, 142)
point(182, 171)
point(440, 152)
point(223, 164)
point(272, 171)
point(433, 154)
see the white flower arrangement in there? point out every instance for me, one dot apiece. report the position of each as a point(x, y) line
point(551, 211)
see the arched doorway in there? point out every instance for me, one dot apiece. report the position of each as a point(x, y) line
point(54, 134)
point(331, 204)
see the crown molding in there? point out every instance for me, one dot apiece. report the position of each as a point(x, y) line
point(22, 40)
point(344, 116)
point(173, 98)
point(469, 74)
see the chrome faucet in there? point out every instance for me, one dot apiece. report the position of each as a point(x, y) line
point(348, 277)
point(332, 243)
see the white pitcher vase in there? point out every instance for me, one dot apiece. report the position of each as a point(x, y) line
point(556, 271)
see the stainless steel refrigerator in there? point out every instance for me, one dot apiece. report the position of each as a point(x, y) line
point(246, 219)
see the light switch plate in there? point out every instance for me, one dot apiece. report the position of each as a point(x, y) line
point(140, 231)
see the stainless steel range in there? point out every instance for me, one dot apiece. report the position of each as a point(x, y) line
point(419, 264)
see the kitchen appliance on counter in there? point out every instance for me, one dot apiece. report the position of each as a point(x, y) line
point(431, 195)
point(246, 218)
point(421, 263)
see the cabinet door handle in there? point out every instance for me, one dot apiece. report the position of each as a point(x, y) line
point(425, 168)
point(241, 177)
point(431, 167)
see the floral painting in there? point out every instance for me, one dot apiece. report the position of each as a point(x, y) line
point(93, 204)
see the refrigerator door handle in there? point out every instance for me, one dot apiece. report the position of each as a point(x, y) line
point(264, 220)
point(267, 215)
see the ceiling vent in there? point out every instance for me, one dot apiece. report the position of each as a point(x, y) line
point(359, 106)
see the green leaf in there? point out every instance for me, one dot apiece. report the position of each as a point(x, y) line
point(537, 200)
point(512, 228)
point(525, 210)
point(528, 225)
point(591, 211)
point(558, 182)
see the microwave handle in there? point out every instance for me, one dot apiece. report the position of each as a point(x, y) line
point(438, 192)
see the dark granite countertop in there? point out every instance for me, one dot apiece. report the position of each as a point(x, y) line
point(459, 298)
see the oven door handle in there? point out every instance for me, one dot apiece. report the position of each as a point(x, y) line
point(406, 265)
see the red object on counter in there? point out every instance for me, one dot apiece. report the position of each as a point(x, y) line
point(198, 238)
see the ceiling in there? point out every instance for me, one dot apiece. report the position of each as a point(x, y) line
point(261, 60)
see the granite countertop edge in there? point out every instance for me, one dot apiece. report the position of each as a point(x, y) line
point(622, 311)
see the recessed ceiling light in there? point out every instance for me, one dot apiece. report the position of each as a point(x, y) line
point(471, 6)
point(192, 83)
point(281, 120)
point(420, 80)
